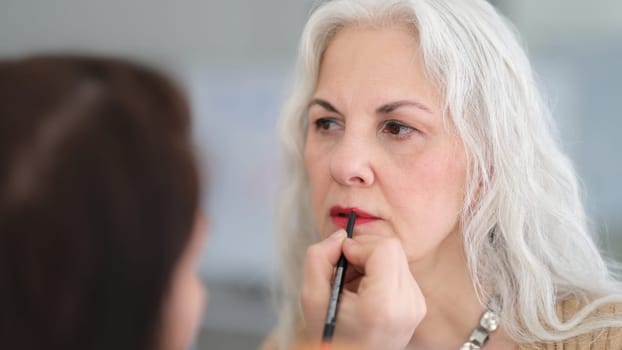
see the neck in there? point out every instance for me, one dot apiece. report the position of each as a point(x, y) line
point(453, 309)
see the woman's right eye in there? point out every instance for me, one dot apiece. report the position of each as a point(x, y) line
point(326, 124)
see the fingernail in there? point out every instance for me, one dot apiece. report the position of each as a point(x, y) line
point(339, 235)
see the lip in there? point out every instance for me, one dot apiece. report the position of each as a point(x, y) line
point(339, 216)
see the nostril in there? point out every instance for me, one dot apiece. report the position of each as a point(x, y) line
point(357, 180)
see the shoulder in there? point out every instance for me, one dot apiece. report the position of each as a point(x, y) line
point(606, 338)
point(566, 309)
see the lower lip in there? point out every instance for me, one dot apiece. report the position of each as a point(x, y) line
point(342, 221)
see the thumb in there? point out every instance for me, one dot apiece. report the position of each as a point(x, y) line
point(319, 265)
point(321, 259)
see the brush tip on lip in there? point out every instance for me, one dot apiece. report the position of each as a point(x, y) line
point(346, 211)
point(350, 225)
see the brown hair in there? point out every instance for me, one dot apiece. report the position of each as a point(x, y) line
point(98, 195)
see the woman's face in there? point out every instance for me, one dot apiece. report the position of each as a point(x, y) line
point(187, 297)
point(376, 143)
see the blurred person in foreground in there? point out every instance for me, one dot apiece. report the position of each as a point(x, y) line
point(424, 118)
point(99, 221)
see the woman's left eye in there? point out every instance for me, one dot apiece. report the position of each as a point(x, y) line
point(396, 129)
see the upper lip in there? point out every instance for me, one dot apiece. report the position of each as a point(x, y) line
point(345, 211)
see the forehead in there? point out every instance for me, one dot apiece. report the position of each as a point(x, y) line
point(383, 62)
point(357, 45)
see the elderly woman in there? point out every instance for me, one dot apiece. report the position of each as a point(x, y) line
point(424, 119)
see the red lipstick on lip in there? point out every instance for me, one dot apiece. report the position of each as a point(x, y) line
point(339, 216)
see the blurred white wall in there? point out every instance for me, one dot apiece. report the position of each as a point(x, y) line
point(576, 47)
point(552, 23)
point(181, 31)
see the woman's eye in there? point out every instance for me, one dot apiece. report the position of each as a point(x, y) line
point(397, 129)
point(326, 124)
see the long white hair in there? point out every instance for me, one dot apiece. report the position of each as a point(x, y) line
point(523, 222)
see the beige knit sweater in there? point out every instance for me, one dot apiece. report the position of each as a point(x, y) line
point(604, 339)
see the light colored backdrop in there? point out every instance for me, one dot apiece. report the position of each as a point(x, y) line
point(235, 58)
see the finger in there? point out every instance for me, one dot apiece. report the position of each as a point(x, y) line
point(353, 284)
point(319, 264)
point(321, 259)
point(352, 273)
point(382, 258)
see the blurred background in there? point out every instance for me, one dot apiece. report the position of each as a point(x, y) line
point(235, 58)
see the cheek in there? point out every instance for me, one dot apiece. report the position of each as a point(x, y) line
point(447, 173)
point(194, 301)
point(315, 154)
point(195, 306)
point(428, 199)
point(318, 174)
point(185, 310)
point(443, 182)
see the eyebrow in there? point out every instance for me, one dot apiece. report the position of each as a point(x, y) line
point(390, 107)
point(324, 104)
point(384, 109)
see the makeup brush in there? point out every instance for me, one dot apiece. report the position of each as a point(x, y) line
point(340, 274)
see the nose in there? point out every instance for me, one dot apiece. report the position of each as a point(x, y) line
point(350, 163)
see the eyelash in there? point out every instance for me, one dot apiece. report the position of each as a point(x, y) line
point(324, 124)
point(320, 124)
point(400, 126)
